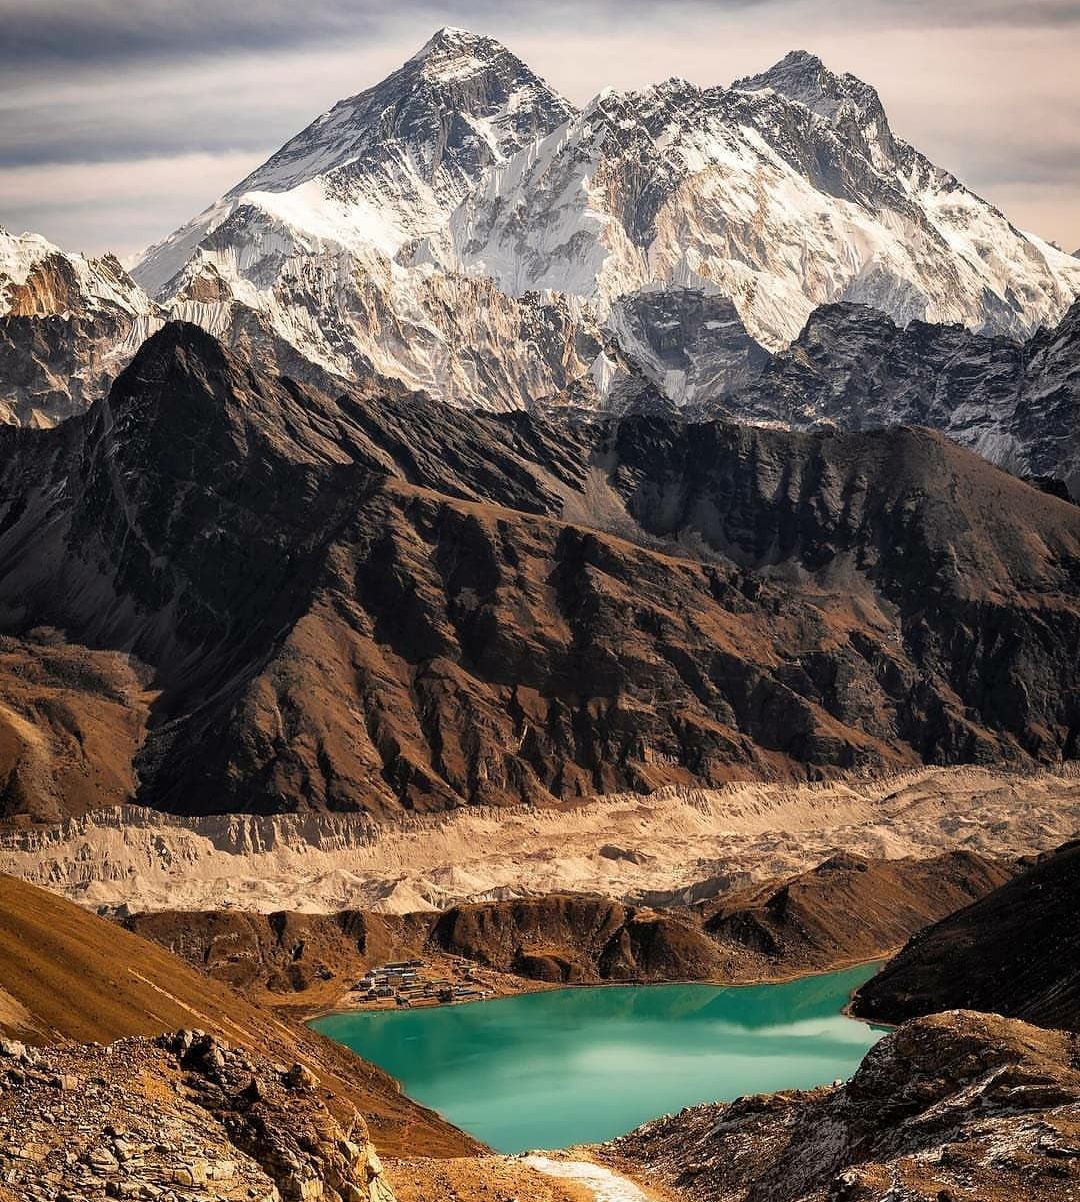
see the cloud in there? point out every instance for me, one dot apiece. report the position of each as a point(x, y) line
point(119, 206)
point(114, 31)
point(141, 88)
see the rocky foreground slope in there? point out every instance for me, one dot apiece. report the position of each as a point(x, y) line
point(67, 975)
point(184, 1116)
point(949, 1108)
point(352, 604)
point(1015, 952)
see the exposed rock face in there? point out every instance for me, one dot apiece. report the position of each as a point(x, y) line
point(664, 350)
point(1016, 403)
point(184, 1116)
point(1015, 952)
point(955, 1106)
point(350, 604)
point(285, 952)
point(67, 326)
point(802, 924)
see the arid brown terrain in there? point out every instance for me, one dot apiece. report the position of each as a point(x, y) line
point(781, 929)
point(1015, 952)
point(348, 604)
point(66, 974)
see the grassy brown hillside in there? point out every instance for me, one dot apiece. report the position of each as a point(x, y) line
point(1015, 952)
point(67, 974)
point(851, 908)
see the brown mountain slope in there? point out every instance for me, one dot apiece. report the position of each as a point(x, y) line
point(1014, 952)
point(851, 908)
point(67, 974)
point(357, 604)
point(950, 1108)
point(848, 909)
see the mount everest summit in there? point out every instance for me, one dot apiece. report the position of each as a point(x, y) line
point(462, 231)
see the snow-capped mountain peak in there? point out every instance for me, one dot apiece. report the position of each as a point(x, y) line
point(39, 279)
point(418, 228)
point(852, 107)
point(451, 54)
point(388, 165)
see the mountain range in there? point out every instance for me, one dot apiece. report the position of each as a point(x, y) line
point(227, 591)
point(501, 545)
point(461, 231)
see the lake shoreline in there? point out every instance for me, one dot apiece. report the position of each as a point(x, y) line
point(470, 1069)
point(527, 985)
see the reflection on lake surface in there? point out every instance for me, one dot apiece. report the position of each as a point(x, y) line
point(546, 1070)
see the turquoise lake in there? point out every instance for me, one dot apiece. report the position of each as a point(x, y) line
point(545, 1070)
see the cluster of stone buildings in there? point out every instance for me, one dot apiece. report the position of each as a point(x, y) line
point(409, 981)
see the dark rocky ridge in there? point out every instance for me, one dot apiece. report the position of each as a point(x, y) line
point(1015, 402)
point(1015, 952)
point(363, 603)
point(785, 927)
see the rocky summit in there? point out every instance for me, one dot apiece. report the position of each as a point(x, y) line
point(374, 604)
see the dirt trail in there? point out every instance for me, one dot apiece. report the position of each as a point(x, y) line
point(604, 1185)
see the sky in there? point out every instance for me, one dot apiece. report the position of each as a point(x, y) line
point(120, 119)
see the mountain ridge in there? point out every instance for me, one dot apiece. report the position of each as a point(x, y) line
point(500, 192)
point(1014, 952)
point(490, 610)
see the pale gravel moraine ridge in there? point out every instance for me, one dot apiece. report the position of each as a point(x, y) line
point(729, 837)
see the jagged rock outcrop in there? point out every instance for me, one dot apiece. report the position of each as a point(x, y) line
point(1015, 952)
point(68, 324)
point(358, 604)
point(1016, 403)
point(186, 1115)
point(954, 1106)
